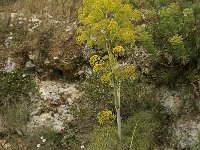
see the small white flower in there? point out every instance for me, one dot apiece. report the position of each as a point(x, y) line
point(82, 146)
point(23, 75)
point(44, 140)
point(41, 137)
point(38, 145)
point(10, 37)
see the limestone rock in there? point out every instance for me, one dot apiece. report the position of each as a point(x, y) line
point(51, 107)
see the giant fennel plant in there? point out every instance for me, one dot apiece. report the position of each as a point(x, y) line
point(108, 26)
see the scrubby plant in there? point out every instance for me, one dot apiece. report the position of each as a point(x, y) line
point(15, 117)
point(15, 87)
point(196, 145)
point(104, 26)
point(136, 96)
point(169, 33)
point(139, 131)
point(44, 138)
point(103, 138)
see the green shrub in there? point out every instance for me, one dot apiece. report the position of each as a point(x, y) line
point(15, 87)
point(15, 91)
point(196, 146)
point(137, 95)
point(48, 139)
point(43, 138)
point(103, 138)
point(15, 117)
point(170, 35)
point(139, 131)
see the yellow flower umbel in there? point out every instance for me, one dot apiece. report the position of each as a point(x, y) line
point(130, 71)
point(127, 35)
point(94, 59)
point(105, 78)
point(118, 51)
point(97, 68)
point(176, 40)
point(137, 15)
point(189, 15)
point(105, 117)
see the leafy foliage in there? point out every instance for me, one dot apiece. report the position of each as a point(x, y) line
point(15, 87)
point(103, 138)
point(136, 96)
point(15, 117)
point(196, 146)
point(15, 92)
point(170, 34)
point(103, 22)
point(139, 131)
point(41, 138)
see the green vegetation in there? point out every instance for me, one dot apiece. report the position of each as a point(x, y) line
point(15, 87)
point(138, 98)
point(103, 25)
point(15, 92)
point(171, 37)
point(137, 47)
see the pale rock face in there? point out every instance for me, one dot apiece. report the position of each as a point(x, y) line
point(185, 131)
point(29, 64)
point(51, 108)
point(170, 99)
point(186, 127)
point(10, 66)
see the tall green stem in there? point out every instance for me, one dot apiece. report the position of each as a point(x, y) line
point(117, 107)
point(116, 86)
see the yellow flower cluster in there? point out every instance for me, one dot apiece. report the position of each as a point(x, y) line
point(129, 71)
point(80, 39)
point(97, 67)
point(137, 15)
point(189, 15)
point(118, 51)
point(127, 35)
point(170, 10)
point(113, 26)
point(105, 117)
point(94, 59)
point(176, 40)
point(150, 13)
point(105, 78)
point(188, 12)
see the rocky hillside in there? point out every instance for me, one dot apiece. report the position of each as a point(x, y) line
point(38, 40)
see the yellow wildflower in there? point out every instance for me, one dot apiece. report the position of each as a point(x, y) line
point(105, 117)
point(97, 67)
point(129, 71)
point(105, 78)
point(118, 51)
point(127, 35)
point(94, 59)
point(176, 40)
point(113, 26)
point(137, 15)
point(80, 39)
point(189, 15)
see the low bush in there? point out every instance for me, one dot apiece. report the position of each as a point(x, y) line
point(137, 95)
point(16, 90)
point(138, 133)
